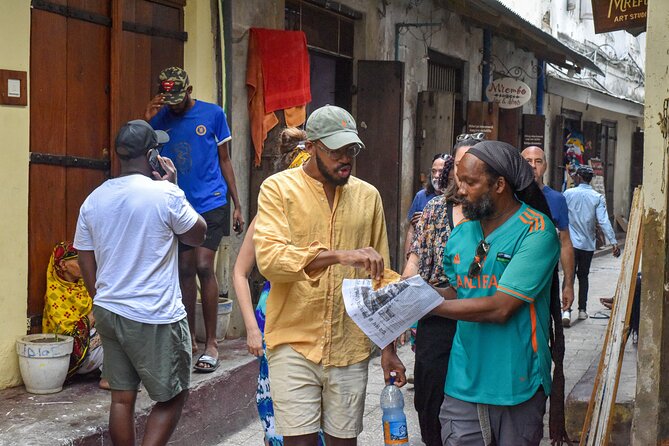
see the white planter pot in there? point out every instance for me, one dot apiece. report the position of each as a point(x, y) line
point(222, 319)
point(44, 362)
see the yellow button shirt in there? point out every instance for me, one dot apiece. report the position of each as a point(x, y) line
point(294, 224)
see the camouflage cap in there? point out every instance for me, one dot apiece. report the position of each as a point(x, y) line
point(173, 83)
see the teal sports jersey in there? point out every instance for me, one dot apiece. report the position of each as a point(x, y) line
point(503, 364)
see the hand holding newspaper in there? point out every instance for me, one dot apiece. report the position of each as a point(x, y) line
point(386, 313)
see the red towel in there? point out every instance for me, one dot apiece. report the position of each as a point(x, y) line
point(285, 67)
point(261, 122)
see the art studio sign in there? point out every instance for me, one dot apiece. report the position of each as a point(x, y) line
point(508, 92)
point(614, 15)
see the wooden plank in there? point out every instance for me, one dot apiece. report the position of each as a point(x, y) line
point(47, 87)
point(46, 227)
point(48, 97)
point(78, 184)
point(116, 64)
point(597, 424)
point(88, 89)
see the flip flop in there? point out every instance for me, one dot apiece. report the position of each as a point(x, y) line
point(600, 315)
point(213, 362)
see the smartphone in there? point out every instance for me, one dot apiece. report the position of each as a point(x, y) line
point(155, 164)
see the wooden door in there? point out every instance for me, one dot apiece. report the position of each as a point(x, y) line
point(92, 65)
point(379, 119)
point(434, 131)
point(509, 125)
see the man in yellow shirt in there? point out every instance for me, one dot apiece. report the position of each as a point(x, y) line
point(317, 225)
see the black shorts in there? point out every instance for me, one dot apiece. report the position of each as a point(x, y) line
point(215, 224)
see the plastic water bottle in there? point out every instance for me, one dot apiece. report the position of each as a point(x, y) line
point(394, 420)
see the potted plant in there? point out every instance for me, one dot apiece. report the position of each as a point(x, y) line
point(44, 359)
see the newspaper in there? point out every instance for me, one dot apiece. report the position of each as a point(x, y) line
point(385, 314)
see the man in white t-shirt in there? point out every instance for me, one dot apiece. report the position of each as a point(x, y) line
point(127, 236)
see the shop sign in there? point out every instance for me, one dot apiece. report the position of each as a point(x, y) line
point(614, 15)
point(533, 131)
point(509, 92)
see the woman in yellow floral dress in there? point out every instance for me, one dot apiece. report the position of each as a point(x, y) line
point(67, 310)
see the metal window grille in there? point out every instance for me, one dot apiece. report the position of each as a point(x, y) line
point(442, 78)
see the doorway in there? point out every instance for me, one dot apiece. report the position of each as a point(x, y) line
point(102, 60)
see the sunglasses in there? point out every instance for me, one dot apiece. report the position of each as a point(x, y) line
point(350, 151)
point(480, 136)
point(477, 264)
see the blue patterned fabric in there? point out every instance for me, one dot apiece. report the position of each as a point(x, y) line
point(263, 397)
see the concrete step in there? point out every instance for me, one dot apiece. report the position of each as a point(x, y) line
point(579, 398)
point(220, 404)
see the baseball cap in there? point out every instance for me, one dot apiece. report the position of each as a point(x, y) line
point(173, 83)
point(333, 126)
point(136, 138)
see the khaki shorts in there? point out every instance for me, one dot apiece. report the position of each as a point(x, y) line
point(157, 355)
point(307, 396)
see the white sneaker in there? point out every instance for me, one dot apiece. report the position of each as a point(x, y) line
point(566, 318)
point(582, 315)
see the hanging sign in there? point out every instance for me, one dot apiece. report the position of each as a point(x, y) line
point(534, 129)
point(508, 92)
point(613, 15)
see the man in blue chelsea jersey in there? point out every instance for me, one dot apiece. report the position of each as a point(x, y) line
point(199, 137)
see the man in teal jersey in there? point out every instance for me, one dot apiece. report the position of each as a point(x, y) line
point(501, 266)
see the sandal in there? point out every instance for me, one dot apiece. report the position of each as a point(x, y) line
point(206, 359)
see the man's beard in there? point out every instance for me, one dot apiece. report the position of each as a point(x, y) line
point(435, 184)
point(479, 210)
point(337, 181)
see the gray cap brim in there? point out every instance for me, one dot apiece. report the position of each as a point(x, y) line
point(341, 139)
point(162, 137)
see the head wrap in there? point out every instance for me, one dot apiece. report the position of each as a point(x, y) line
point(505, 160)
point(63, 251)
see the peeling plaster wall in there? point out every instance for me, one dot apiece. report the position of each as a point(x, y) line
point(245, 14)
